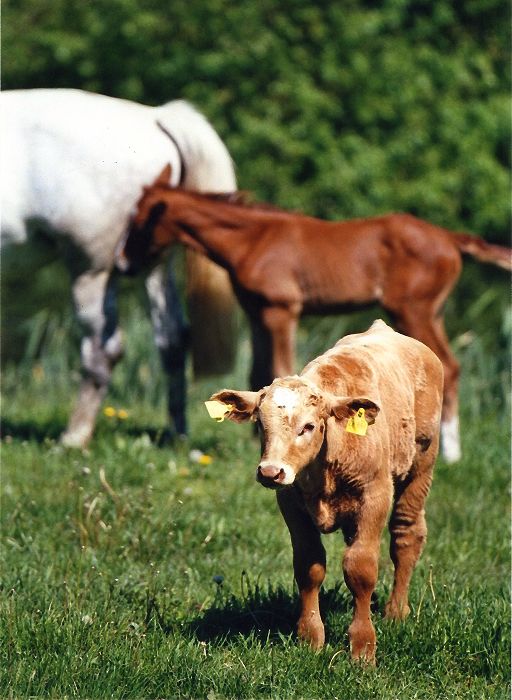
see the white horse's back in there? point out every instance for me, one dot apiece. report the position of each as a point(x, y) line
point(78, 161)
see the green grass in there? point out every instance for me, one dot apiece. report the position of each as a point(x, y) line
point(112, 558)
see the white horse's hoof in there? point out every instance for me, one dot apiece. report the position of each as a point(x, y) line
point(76, 439)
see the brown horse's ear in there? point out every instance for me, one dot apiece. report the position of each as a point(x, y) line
point(240, 405)
point(165, 176)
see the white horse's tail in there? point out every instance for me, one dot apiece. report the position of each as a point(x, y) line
point(211, 303)
point(209, 167)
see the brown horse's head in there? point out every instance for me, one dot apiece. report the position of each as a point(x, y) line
point(149, 233)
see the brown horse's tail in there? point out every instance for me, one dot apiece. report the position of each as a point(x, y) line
point(213, 320)
point(481, 250)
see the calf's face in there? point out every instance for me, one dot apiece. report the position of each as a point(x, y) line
point(291, 415)
point(291, 421)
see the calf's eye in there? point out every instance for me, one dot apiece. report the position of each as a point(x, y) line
point(308, 428)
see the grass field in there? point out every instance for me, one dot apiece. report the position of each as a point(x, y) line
point(131, 571)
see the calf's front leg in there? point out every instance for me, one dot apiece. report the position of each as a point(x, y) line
point(308, 566)
point(360, 569)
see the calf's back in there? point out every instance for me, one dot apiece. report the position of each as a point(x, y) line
point(403, 377)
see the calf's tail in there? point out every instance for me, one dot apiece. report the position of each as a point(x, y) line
point(481, 250)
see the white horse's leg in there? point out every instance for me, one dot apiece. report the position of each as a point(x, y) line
point(94, 295)
point(170, 332)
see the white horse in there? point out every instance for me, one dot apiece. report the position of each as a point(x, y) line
point(75, 163)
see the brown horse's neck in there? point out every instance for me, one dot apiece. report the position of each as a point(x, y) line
point(223, 231)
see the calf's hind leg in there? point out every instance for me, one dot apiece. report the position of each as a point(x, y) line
point(408, 532)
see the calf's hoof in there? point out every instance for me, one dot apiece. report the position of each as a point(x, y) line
point(363, 642)
point(311, 629)
point(363, 654)
point(396, 611)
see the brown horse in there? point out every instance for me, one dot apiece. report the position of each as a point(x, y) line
point(285, 264)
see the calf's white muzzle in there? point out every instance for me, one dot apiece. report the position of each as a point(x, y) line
point(273, 475)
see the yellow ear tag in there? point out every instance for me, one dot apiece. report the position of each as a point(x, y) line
point(357, 423)
point(217, 410)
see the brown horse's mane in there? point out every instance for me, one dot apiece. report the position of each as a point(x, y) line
point(240, 198)
point(244, 198)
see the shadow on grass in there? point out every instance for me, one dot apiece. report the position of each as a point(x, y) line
point(29, 430)
point(166, 436)
point(160, 437)
point(52, 429)
point(264, 614)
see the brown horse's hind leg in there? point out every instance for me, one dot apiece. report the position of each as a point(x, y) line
point(450, 438)
point(421, 323)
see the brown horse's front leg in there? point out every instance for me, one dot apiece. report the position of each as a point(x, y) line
point(261, 370)
point(308, 566)
point(281, 323)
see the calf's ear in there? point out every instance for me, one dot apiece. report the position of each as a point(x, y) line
point(240, 405)
point(347, 406)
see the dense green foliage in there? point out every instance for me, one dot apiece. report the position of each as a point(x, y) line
point(338, 109)
point(110, 558)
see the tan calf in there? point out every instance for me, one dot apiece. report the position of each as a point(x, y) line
point(328, 478)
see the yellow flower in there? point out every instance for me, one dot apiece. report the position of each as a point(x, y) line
point(122, 414)
point(205, 459)
point(183, 471)
point(109, 411)
point(38, 372)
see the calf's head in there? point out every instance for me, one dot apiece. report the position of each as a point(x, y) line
point(292, 419)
